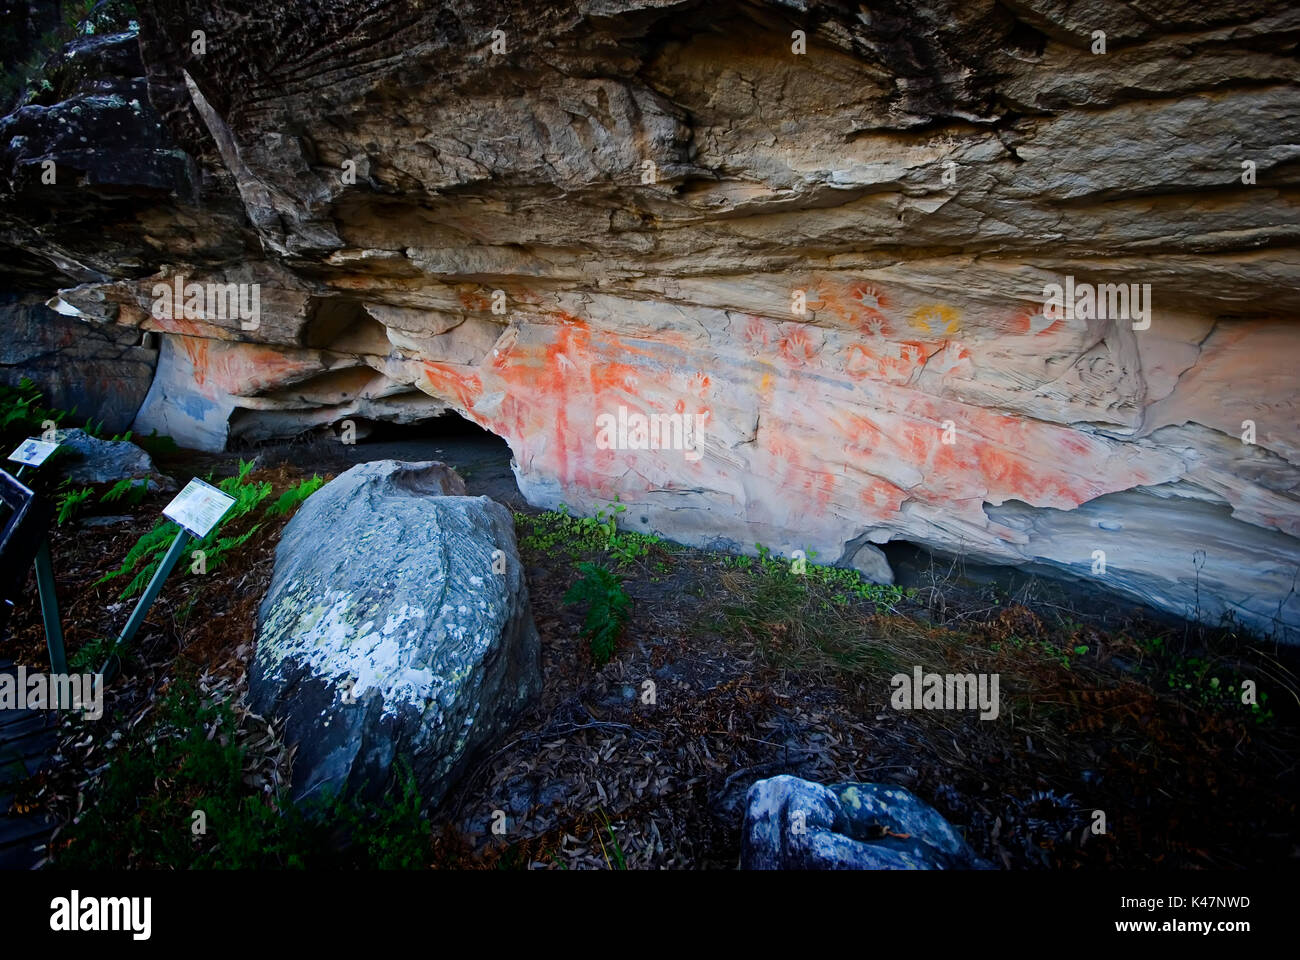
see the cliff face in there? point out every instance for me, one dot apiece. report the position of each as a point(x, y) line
point(833, 262)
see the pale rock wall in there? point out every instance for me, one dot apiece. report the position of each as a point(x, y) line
point(920, 174)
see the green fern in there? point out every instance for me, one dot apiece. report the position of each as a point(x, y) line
point(151, 545)
point(294, 496)
point(150, 548)
point(128, 489)
point(71, 502)
point(156, 444)
point(607, 611)
point(21, 412)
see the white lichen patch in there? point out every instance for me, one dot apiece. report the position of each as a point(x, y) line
point(325, 636)
point(379, 596)
point(394, 650)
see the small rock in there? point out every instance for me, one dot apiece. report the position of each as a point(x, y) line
point(110, 521)
point(85, 460)
point(794, 824)
point(871, 562)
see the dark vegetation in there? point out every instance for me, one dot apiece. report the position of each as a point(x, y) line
point(32, 37)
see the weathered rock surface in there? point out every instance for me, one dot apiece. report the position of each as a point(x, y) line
point(386, 631)
point(83, 459)
point(99, 369)
point(794, 824)
point(653, 188)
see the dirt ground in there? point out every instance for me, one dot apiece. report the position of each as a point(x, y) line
point(600, 774)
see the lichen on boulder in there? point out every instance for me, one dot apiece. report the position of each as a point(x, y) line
point(396, 624)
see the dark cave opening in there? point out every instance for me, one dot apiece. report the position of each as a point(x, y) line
point(482, 458)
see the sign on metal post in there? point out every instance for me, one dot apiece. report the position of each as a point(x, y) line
point(198, 509)
point(24, 519)
point(32, 452)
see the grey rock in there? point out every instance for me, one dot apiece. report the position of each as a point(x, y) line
point(794, 824)
point(385, 631)
point(871, 562)
point(84, 460)
point(104, 521)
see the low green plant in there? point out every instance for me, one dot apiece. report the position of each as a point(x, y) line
point(626, 550)
point(23, 415)
point(156, 444)
point(1197, 678)
point(21, 412)
point(35, 67)
point(71, 502)
point(144, 557)
point(805, 616)
point(839, 585)
point(619, 862)
point(76, 15)
point(580, 537)
point(291, 498)
point(607, 518)
point(90, 656)
point(608, 607)
point(1151, 645)
point(188, 760)
point(130, 491)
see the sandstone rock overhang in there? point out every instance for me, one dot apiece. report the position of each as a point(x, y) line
point(539, 215)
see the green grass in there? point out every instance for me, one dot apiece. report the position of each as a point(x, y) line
point(805, 616)
point(619, 861)
point(582, 537)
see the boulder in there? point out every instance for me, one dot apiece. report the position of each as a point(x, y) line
point(794, 824)
point(85, 460)
point(396, 624)
point(871, 562)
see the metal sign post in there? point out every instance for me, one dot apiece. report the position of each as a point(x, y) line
point(50, 608)
point(32, 453)
point(155, 586)
point(197, 510)
point(24, 539)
